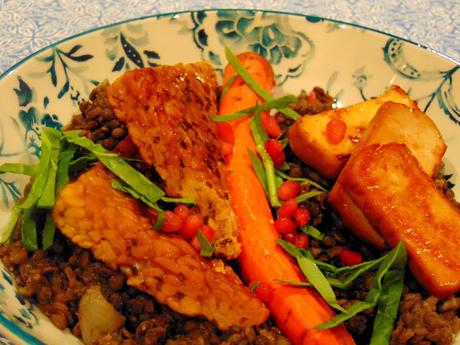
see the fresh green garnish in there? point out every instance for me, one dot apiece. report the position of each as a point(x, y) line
point(48, 232)
point(227, 86)
point(308, 195)
point(188, 201)
point(267, 162)
point(206, 247)
point(300, 179)
point(116, 164)
point(259, 170)
point(254, 286)
point(395, 259)
point(246, 76)
point(310, 230)
point(62, 174)
point(272, 104)
point(29, 229)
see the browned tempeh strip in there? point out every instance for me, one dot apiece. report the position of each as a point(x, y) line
point(113, 225)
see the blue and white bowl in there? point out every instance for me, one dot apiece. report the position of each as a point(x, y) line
point(352, 63)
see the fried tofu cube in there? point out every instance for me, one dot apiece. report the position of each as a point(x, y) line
point(402, 202)
point(399, 124)
point(308, 139)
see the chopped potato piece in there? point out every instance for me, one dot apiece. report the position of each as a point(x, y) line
point(392, 123)
point(309, 141)
point(168, 110)
point(114, 226)
point(402, 202)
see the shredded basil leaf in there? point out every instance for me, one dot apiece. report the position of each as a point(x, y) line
point(227, 86)
point(254, 285)
point(300, 179)
point(259, 170)
point(62, 174)
point(188, 201)
point(119, 167)
point(206, 247)
point(308, 195)
point(246, 76)
point(29, 230)
point(49, 230)
point(274, 103)
point(19, 168)
point(310, 230)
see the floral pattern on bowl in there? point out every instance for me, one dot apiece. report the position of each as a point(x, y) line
point(351, 63)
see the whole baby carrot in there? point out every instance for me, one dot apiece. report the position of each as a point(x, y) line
point(296, 310)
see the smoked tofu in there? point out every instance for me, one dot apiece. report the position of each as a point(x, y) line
point(308, 140)
point(399, 124)
point(402, 202)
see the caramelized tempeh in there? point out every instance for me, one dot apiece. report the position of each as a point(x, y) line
point(113, 225)
point(402, 202)
point(168, 112)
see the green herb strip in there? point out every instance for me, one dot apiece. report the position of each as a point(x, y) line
point(397, 257)
point(29, 230)
point(82, 162)
point(273, 104)
point(119, 167)
point(319, 281)
point(310, 230)
point(18, 168)
point(227, 86)
point(246, 76)
point(266, 161)
point(48, 196)
point(308, 195)
point(258, 169)
point(300, 179)
point(387, 310)
point(206, 247)
point(62, 174)
point(254, 286)
point(49, 230)
point(188, 201)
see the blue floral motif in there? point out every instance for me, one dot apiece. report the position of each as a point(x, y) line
point(67, 62)
point(129, 41)
point(443, 93)
point(267, 34)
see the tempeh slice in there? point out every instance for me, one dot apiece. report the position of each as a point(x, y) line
point(168, 112)
point(117, 230)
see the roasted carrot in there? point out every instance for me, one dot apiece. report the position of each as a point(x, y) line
point(296, 310)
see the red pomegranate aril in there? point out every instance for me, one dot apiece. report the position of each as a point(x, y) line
point(284, 225)
point(191, 225)
point(264, 292)
point(275, 150)
point(225, 132)
point(350, 257)
point(288, 208)
point(172, 222)
point(335, 131)
point(270, 125)
point(302, 216)
point(298, 239)
point(279, 160)
point(182, 211)
point(208, 232)
point(288, 190)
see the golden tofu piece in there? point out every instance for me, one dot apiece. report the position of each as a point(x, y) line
point(308, 140)
point(116, 228)
point(402, 202)
point(167, 110)
point(399, 124)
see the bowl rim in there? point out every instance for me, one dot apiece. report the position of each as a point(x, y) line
point(312, 18)
point(22, 334)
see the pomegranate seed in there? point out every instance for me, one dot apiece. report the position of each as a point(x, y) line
point(172, 222)
point(301, 240)
point(350, 257)
point(182, 211)
point(208, 232)
point(275, 150)
point(225, 132)
point(284, 225)
point(288, 190)
point(288, 208)
point(270, 125)
point(302, 216)
point(335, 131)
point(264, 292)
point(191, 225)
